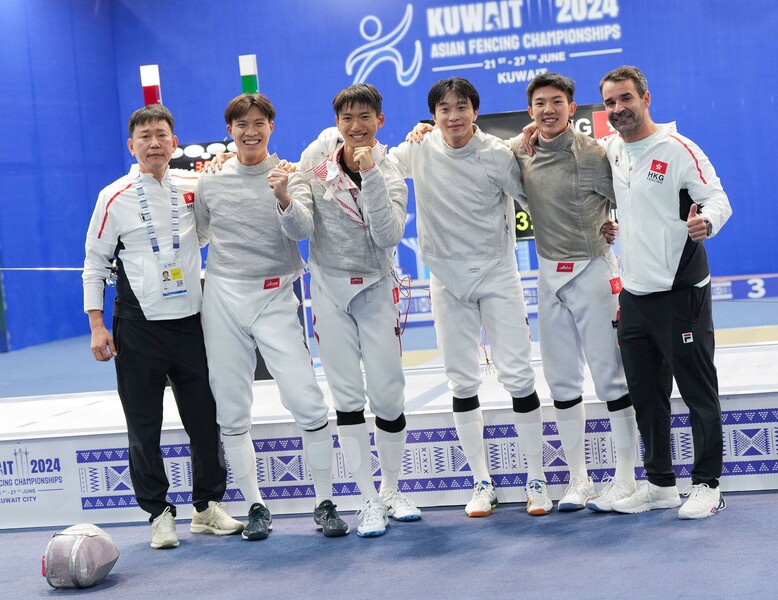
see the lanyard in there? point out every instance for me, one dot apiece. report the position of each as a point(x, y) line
point(144, 205)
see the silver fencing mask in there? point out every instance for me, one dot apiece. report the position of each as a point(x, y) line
point(79, 557)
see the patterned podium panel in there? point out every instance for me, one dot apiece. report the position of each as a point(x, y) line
point(60, 481)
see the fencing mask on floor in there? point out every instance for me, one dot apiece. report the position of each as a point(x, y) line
point(79, 557)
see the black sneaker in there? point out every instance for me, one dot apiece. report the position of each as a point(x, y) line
point(328, 521)
point(260, 523)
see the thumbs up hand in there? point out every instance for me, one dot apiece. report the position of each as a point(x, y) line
point(697, 226)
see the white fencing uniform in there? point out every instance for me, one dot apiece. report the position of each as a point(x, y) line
point(467, 238)
point(239, 316)
point(465, 223)
point(354, 227)
point(354, 233)
point(497, 305)
point(366, 329)
point(568, 189)
point(248, 300)
point(577, 322)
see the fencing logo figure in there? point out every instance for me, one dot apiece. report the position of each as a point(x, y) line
point(381, 49)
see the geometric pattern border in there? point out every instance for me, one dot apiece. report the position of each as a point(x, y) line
point(434, 461)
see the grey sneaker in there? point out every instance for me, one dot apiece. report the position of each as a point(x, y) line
point(163, 531)
point(328, 521)
point(260, 523)
point(214, 520)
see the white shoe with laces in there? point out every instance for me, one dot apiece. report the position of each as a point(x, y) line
point(703, 502)
point(647, 497)
point(373, 518)
point(614, 490)
point(577, 492)
point(163, 531)
point(538, 501)
point(214, 520)
point(483, 501)
point(399, 506)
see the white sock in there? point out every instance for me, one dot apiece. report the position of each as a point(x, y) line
point(470, 430)
point(391, 447)
point(317, 447)
point(624, 431)
point(571, 424)
point(355, 444)
point(239, 452)
point(529, 427)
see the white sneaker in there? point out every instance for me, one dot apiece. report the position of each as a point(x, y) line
point(399, 506)
point(614, 490)
point(483, 501)
point(214, 520)
point(163, 531)
point(373, 518)
point(577, 492)
point(703, 502)
point(647, 497)
point(538, 501)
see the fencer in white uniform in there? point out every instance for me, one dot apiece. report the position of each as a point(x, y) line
point(569, 190)
point(464, 180)
point(248, 302)
point(354, 214)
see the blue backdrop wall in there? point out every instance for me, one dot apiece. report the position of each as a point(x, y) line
point(71, 78)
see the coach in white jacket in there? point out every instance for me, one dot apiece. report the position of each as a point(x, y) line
point(145, 220)
point(669, 202)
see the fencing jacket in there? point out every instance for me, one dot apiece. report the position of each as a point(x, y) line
point(237, 216)
point(568, 188)
point(466, 219)
point(353, 231)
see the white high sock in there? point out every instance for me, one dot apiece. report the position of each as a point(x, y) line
point(239, 452)
point(391, 447)
point(317, 447)
point(571, 424)
point(355, 443)
point(529, 427)
point(470, 430)
point(625, 437)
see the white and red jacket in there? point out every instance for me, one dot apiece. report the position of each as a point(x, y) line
point(117, 229)
point(654, 192)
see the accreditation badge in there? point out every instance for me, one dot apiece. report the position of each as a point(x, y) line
point(171, 276)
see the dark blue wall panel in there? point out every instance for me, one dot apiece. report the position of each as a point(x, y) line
point(61, 142)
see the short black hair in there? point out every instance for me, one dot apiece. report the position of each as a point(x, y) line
point(240, 105)
point(151, 112)
point(554, 80)
point(461, 87)
point(627, 72)
point(356, 95)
